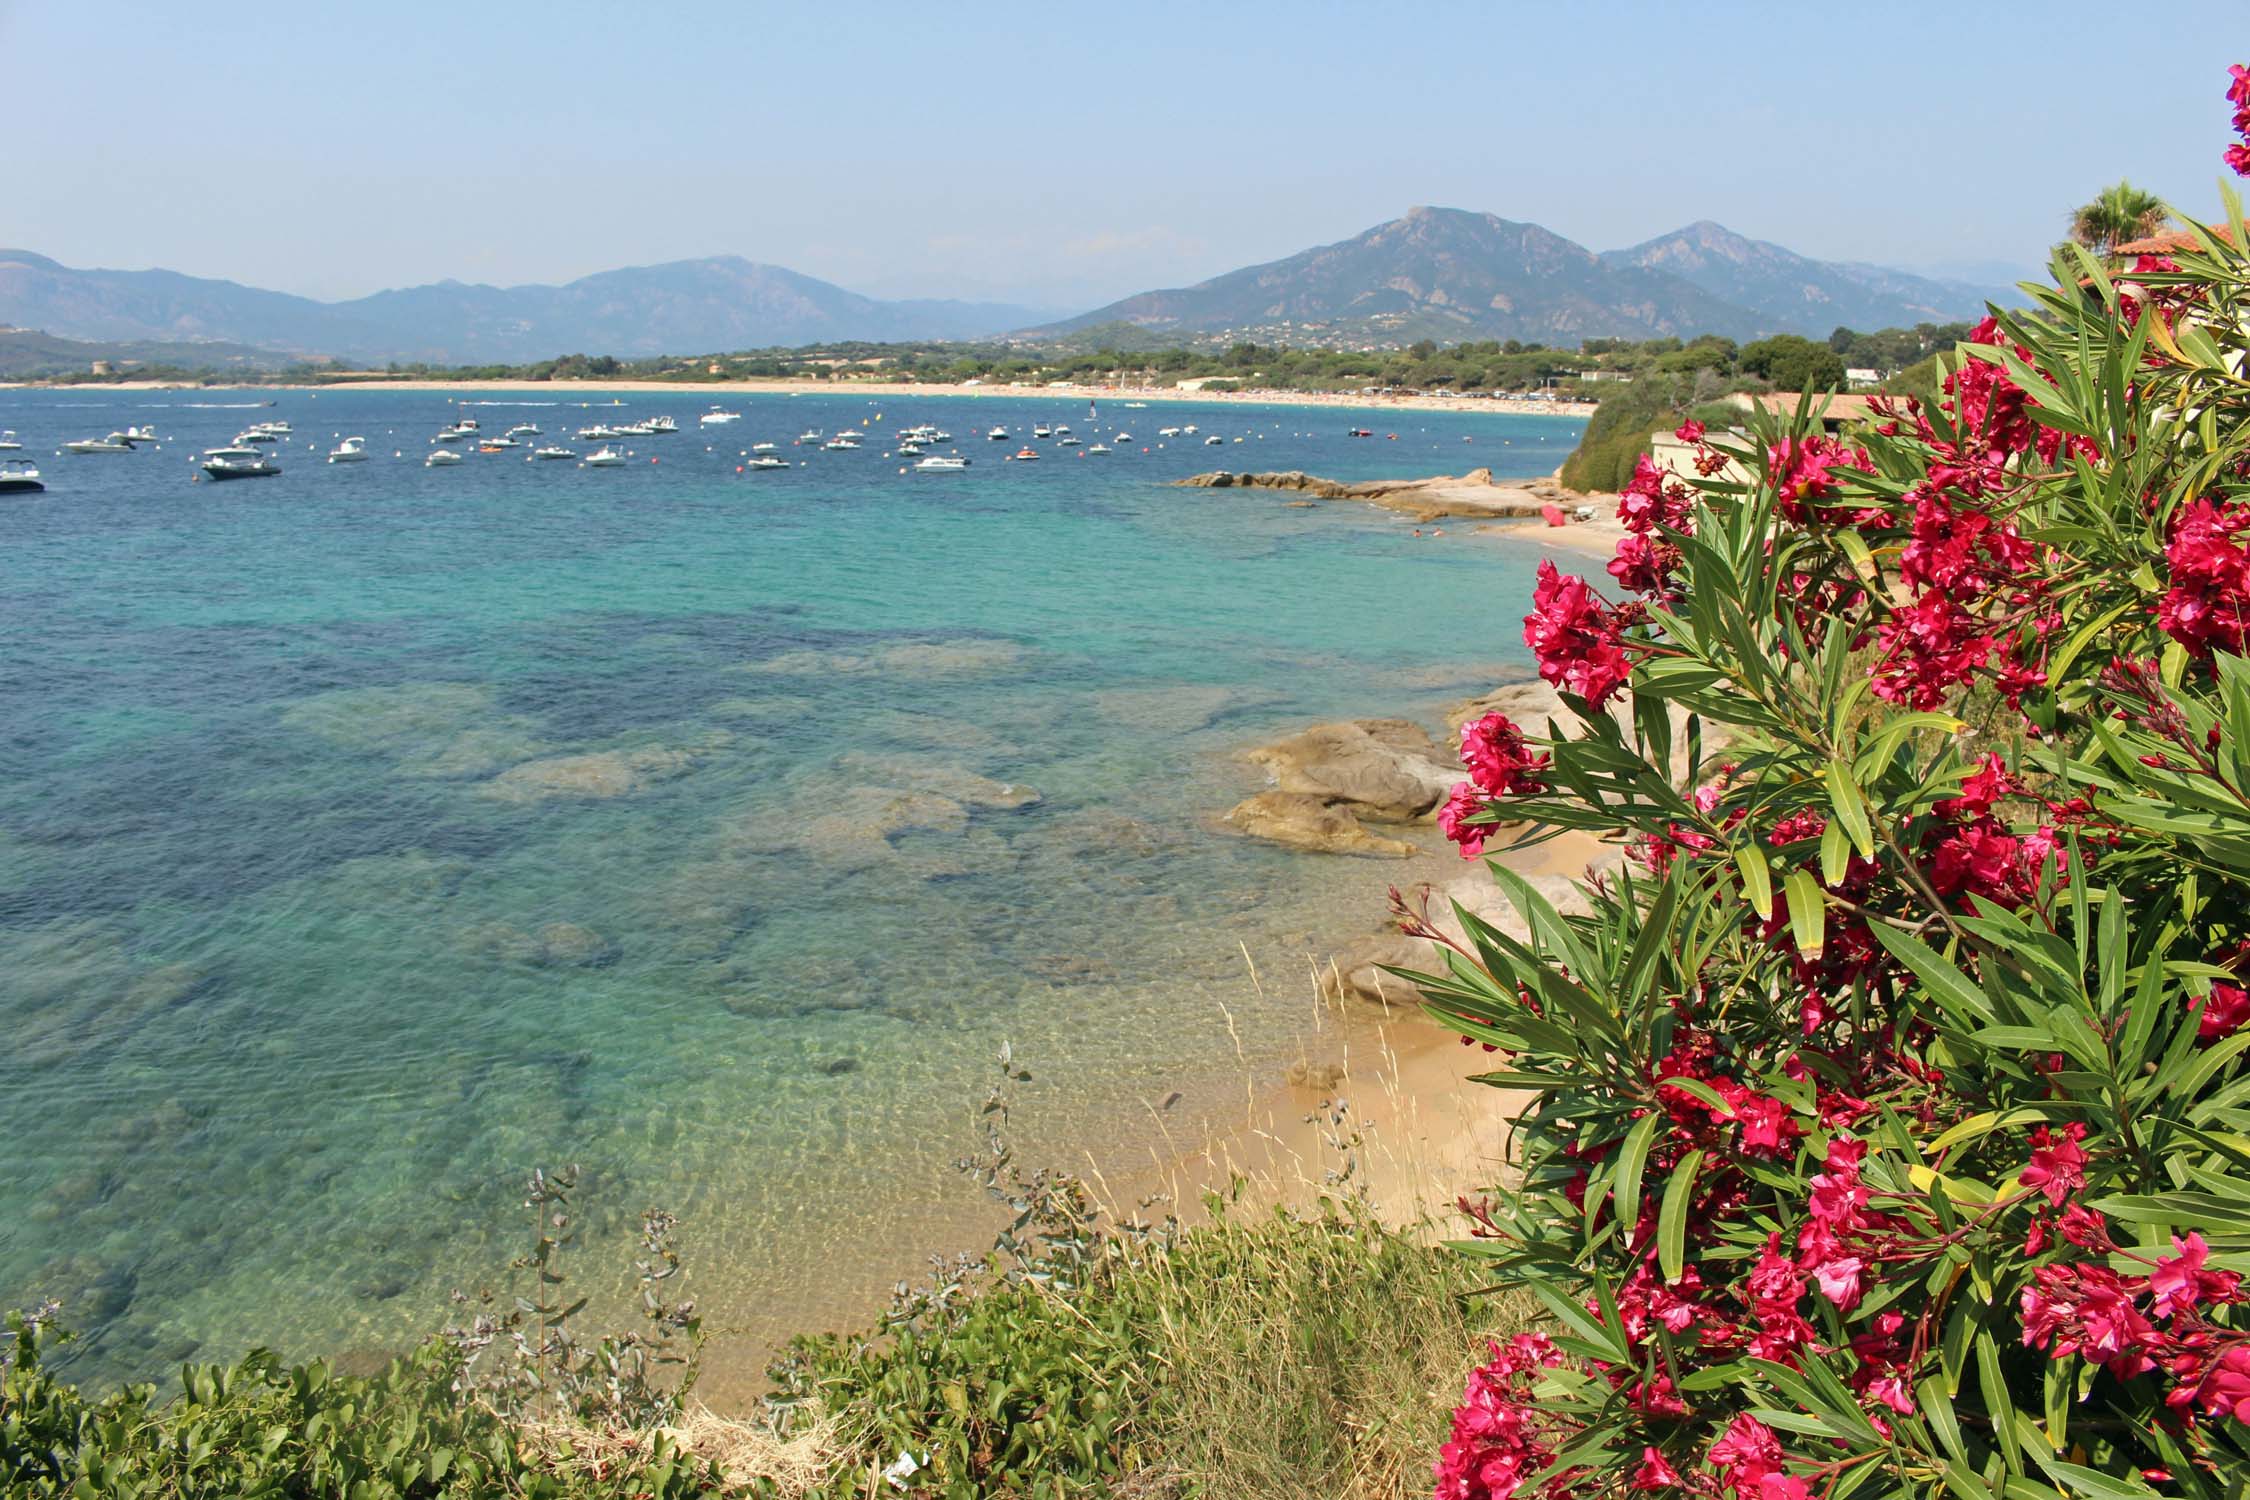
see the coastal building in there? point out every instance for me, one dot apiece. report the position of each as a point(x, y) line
point(1863, 379)
point(1836, 412)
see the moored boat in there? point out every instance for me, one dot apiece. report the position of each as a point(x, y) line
point(942, 463)
point(550, 453)
point(112, 444)
point(238, 462)
point(441, 458)
point(19, 479)
point(352, 450)
point(605, 458)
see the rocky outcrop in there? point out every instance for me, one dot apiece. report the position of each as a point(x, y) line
point(1301, 820)
point(1385, 770)
point(1475, 493)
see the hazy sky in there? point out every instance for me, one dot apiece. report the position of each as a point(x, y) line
point(1065, 154)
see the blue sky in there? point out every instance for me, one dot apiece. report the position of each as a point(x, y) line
point(1062, 154)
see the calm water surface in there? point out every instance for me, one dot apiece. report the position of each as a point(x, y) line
point(373, 833)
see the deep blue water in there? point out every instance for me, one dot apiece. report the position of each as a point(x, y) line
point(370, 834)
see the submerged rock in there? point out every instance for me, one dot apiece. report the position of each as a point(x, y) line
point(1302, 820)
point(605, 773)
point(973, 656)
point(958, 783)
point(558, 944)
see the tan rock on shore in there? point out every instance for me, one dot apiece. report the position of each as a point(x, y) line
point(1474, 494)
point(1304, 821)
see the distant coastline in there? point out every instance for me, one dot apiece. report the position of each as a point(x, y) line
point(892, 389)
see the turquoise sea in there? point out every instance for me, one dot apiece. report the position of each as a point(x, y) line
point(371, 834)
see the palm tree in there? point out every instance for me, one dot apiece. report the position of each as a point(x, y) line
point(2116, 215)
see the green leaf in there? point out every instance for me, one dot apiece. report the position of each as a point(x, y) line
point(1632, 1159)
point(1851, 807)
point(1671, 1219)
point(1808, 913)
point(1757, 879)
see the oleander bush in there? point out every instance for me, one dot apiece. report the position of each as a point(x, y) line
point(1889, 1115)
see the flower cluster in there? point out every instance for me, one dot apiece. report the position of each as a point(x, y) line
point(1897, 1066)
point(2238, 94)
point(1499, 763)
point(1577, 639)
point(2207, 606)
point(1498, 1440)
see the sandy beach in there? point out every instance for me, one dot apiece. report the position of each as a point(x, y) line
point(878, 389)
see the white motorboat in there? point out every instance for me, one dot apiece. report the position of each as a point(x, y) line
point(838, 443)
point(282, 429)
point(8, 443)
point(1213, 441)
point(134, 435)
point(1070, 442)
point(1122, 439)
point(442, 458)
point(659, 426)
point(764, 447)
point(767, 461)
point(17, 478)
point(1167, 432)
point(809, 435)
point(449, 436)
point(524, 430)
point(601, 433)
point(719, 417)
point(854, 434)
point(497, 445)
point(352, 450)
point(942, 463)
point(1098, 449)
point(998, 434)
point(248, 436)
point(466, 426)
point(1042, 430)
point(911, 450)
point(550, 453)
point(605, 458)
point(1189, 429)
point(1062, 429)
point(98, 445)
point(238, 462)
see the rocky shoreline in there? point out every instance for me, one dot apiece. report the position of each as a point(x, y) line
point(1331, 781)
point(1476, 494)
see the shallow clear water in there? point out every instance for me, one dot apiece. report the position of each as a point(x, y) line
point(373, 833)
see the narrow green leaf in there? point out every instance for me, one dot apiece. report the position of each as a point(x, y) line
point(1671, 1219)
point(1808, 913)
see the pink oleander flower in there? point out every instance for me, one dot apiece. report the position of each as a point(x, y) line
point(1499, 761)
point(2181, 1282)
point(2058, 1163)
point(1654, 1473)
point(2223, 1013)
point(1453, 819)
point(1575, 637)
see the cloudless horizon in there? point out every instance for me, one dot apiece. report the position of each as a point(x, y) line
point(1065, 157)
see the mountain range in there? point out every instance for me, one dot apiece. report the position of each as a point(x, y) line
point(681, 307)
point(1437, 273)
point(1451, 275)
